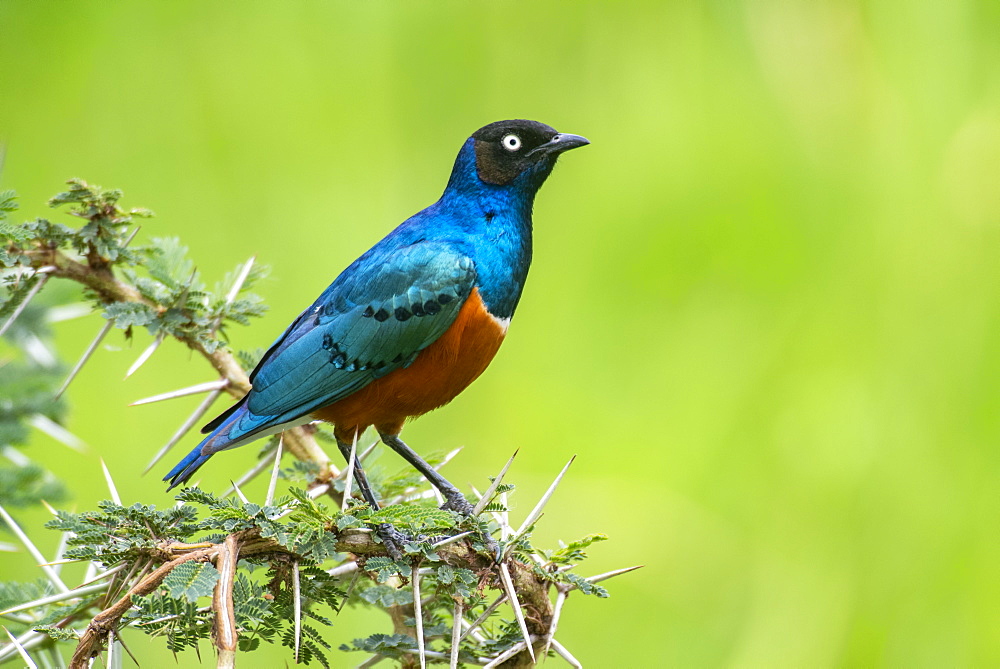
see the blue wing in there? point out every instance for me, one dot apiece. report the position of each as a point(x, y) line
point(375, 318)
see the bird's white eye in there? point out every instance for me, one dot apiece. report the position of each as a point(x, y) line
point(511, 142)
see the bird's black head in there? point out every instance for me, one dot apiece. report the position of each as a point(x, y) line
point(506, 149)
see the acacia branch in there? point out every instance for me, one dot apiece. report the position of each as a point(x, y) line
point(532, 590)
point(224, 631)
point(109, 289)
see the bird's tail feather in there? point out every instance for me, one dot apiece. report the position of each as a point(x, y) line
point(187, 467)
point(239, 426)
point(223, 436)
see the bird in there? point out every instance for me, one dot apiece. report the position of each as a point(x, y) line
point(414, 320)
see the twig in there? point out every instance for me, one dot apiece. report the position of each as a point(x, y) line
point(107, 620)
point(222, 603)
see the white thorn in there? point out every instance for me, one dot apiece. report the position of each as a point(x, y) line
point(505, 529)
point(508, 585)
point(85, 357)
point(24, 303)
point(92, 569)
point(131, 236)
point(251, 473)
point(20, 650)
point(476, 635)
point(103, 575)
point(438, 497)
point(235, 289)
point(112, 661)
point(297, 599)
point(184, 392)
point(185, 427)
point(239, 493)
point(111, 484)
point(349, 477)
point(68, 312)
point(566, 655)
point(144, 356)
point(39, 351)
point(500, 520)
point(318, 491)
point(456, 634)
point(608, 574)
point(537, 511)
point(344, 569)
point(15, 456)
point(448, 458)
point(484, 615)
point(35, 553)
point(349, 592)
point(493, 486)
point(28, 640)
point(274, 472)
point(238, 283)
point(450, 540)
point(368, 451)
point(57, 432)
point(509, 653)
point(418, 616)
point(556, 612)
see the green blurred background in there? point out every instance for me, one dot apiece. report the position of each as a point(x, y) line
point(763, 309)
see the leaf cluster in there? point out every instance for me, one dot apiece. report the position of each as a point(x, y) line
point(174, 299)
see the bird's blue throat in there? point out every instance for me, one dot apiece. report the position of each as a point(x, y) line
point(495, 222)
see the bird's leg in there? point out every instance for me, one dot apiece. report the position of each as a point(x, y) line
point(455, 500)
point(391, 537)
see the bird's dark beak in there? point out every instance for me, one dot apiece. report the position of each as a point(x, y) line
point(558, 144)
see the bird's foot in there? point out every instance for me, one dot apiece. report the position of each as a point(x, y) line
point(455, 501)
point(393, 540)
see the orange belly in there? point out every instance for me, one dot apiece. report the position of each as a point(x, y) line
point(440, 372)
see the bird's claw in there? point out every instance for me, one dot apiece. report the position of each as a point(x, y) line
point(393, 540)
point(455, 501)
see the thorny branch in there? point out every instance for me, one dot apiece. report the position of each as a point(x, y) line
point(532, 590)
point(526, 586)
point(98, 277)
